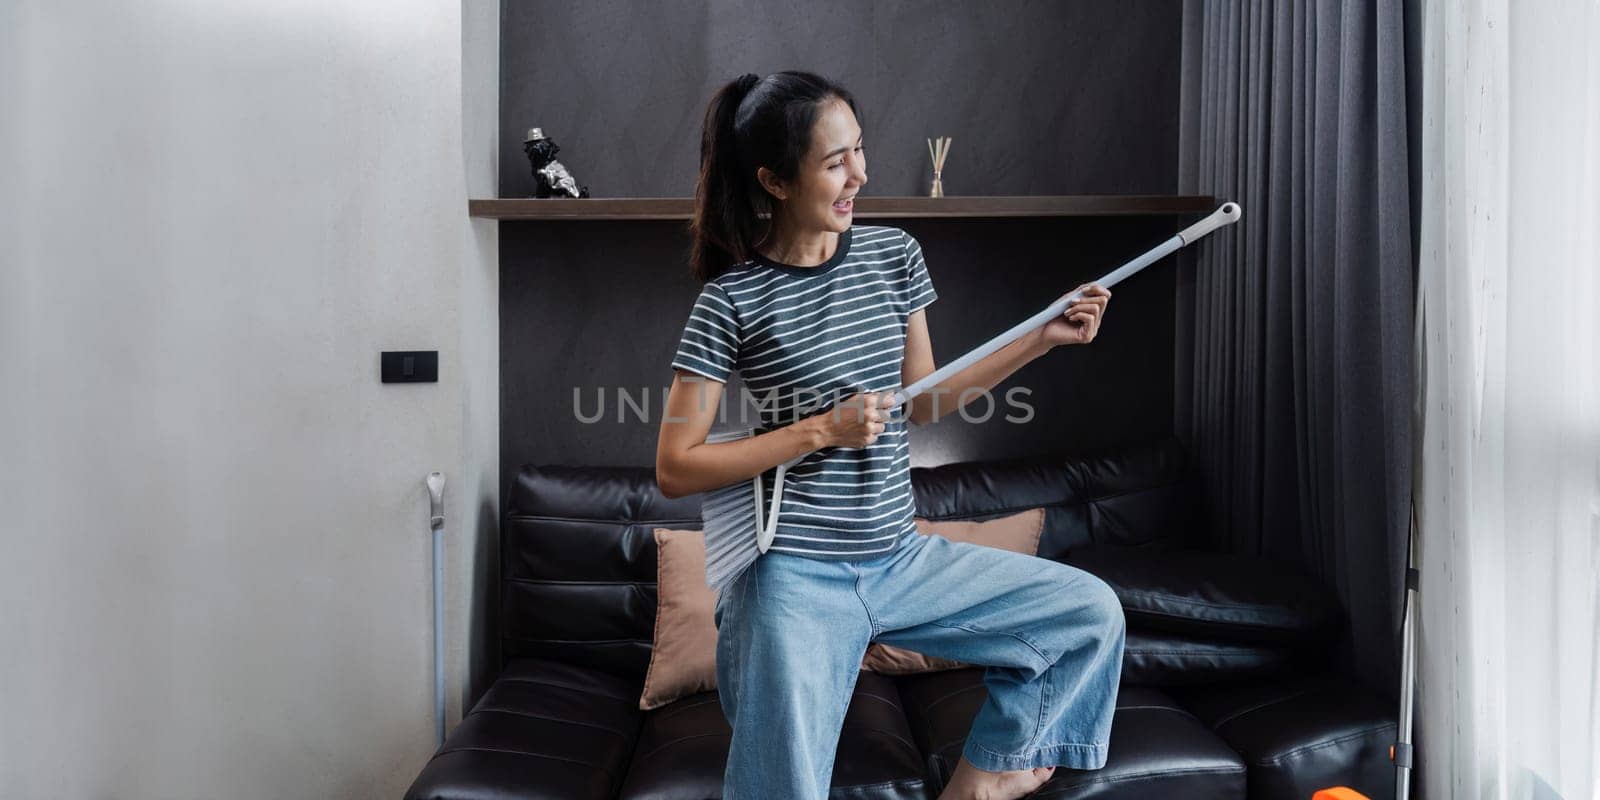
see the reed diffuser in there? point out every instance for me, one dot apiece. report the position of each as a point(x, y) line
point(938, 151)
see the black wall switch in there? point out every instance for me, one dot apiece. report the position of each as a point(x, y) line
point(411, 366)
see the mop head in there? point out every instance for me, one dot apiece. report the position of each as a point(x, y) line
point(738, 520)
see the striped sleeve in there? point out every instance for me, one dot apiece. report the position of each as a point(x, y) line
point(710, 342)
point(920, 285)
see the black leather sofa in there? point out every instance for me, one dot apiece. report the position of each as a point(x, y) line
point(1222, 694)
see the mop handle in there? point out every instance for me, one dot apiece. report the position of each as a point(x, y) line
point(436, 525)
point(1227, 214)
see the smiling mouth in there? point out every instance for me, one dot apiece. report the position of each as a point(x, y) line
point(846, 204)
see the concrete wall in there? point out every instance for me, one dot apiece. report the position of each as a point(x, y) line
point(214, 561)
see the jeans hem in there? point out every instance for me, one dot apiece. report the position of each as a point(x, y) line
point(1072, 756)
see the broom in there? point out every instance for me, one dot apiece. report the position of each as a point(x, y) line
point(735, 515)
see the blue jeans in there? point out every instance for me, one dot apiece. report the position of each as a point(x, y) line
point(791, 632)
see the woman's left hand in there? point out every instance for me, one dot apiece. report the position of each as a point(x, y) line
point(1079, 323)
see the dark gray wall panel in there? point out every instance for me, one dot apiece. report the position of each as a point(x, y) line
point(1040, 98)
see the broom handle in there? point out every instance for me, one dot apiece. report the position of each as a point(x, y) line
point(1227, 214)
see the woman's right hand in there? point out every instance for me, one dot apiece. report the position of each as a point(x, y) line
point(855, 422)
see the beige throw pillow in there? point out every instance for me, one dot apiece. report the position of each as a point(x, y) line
point(683, 660)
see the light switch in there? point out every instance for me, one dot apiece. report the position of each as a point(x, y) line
point(410, 366)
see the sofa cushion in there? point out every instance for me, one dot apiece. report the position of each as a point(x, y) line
point(1154, 658)
point(1157, 748)
point(683, 749)
point(683, 657)
point(578, 551)
point(543, 730)
point(1132, 494)
point(1212, 595)
point(578, 565)
point(1303, 734)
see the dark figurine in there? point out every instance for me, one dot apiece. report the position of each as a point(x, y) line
point(552, 177)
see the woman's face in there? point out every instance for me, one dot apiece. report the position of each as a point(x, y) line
point(834, 170)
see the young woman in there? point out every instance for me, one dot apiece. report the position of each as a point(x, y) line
point(823, 319)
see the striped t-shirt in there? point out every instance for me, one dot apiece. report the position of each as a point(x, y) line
point(804, 339)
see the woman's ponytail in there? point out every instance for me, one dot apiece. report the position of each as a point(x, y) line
point(752, 122)
point(724, 217)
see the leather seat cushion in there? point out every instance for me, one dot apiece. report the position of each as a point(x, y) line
point(1300, 735)
point(683, 749)
point(1154, 658)
point(543, 730)
point(1157, 748)
point(1213, 595)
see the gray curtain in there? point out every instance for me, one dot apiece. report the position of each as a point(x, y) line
point(1294, 377)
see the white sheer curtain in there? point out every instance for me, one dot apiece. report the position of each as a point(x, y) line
point(1508, 450)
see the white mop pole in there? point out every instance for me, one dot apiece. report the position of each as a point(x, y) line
point(1402, 752)
point(1226, 214)
point(436, 523)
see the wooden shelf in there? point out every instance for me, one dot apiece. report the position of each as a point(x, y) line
point(644, 208)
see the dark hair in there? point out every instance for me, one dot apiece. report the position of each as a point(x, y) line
point(752, 122)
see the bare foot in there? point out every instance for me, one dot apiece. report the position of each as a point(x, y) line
point(970, 783)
